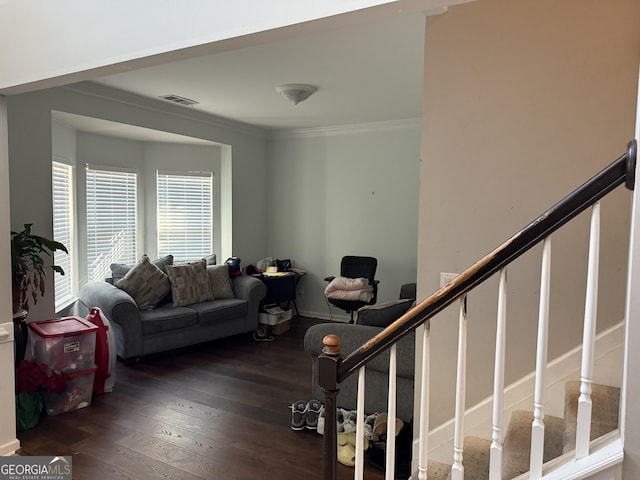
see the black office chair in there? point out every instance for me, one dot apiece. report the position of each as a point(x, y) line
point(353, 266)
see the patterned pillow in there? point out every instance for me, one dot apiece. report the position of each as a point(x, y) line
point(119, 270)
point(146, 284)
point(220, 282)
point(189, 283)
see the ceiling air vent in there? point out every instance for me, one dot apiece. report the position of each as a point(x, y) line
point(178, 99)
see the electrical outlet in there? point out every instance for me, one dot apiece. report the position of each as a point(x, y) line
point(446, 278)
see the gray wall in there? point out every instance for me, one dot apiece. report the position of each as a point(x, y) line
point(524, 101)
point(30, 154)
point(349, 191)
point(309, 196)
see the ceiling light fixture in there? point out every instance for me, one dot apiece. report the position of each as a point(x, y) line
point(295, 92)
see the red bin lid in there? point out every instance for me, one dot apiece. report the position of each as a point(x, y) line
point(62, 327)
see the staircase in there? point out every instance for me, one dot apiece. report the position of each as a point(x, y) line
point(533, 445)
point(559, 436)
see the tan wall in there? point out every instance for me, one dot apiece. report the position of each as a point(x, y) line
point(524, 101)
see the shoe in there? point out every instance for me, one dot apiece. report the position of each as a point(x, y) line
point(376, 455)
point(351, 440)
point(314, 407)
point(350, 417)
point(262, 335)
point(340, 419)
point(345, 450)
point(298, 415)
point(320, 428)
point(380, 426)
point(369, 421)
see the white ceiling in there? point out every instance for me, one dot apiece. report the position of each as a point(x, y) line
point(369, 72)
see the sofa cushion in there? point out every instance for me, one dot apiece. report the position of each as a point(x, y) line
point(119, 270)
point(167, 318)
point(220, 281)
point(384, 314)
point(189, 283)
point(146, 284)
point(220, 310)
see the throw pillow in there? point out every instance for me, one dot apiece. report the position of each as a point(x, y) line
point(146, 284)
point(119, 270)
point(189, 283)
point(220, 282)
point(209, 260)
point(384, 314)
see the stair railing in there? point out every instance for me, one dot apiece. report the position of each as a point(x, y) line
point(333, 368)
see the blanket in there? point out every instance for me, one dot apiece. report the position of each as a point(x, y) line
point(343, 288)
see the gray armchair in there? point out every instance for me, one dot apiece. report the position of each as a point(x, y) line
point(371, 321)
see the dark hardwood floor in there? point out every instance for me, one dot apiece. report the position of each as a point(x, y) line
point(219, 410)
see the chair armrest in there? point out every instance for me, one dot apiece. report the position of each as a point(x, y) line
point(353, 336)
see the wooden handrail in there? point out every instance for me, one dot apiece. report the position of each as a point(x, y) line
point(622, 170)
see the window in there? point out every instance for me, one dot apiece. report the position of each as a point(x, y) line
point(111, 220)
point(63, 231)
point(185, 214)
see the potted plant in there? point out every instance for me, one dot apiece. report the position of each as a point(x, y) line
point(28, 266)
point(27, 278)
point(32, 381)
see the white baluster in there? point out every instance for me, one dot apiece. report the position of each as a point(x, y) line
point(537, 428)
point(588, 340)
point(495, 459)
point(359, 467)
point(424, 403)
point(457, 469)
point(391, 417)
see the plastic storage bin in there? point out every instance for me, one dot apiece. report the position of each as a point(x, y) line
point(274, 315)
point(77, 394)
point(67, 344)
point(275, 320)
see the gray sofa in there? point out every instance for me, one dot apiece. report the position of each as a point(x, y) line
point(372, 320)
point(142, 332)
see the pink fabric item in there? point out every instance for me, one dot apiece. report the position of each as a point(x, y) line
point(343, 288)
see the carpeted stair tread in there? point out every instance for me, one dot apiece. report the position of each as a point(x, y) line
point(475, 458)
point(517, 444)
point(559, 436)
point(437, 470)
point(604, 415)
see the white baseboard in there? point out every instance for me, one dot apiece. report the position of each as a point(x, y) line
point(9, 448)
point(519, 395)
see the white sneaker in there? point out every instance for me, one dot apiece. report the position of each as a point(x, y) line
point(320, 428)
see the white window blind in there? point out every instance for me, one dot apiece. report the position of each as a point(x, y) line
point(185, 214)
point(63, 221)
point(111, 220)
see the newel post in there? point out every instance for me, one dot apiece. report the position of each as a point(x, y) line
point(328, 363)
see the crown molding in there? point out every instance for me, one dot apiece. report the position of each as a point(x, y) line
point(351, 129)
point(152, 104)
